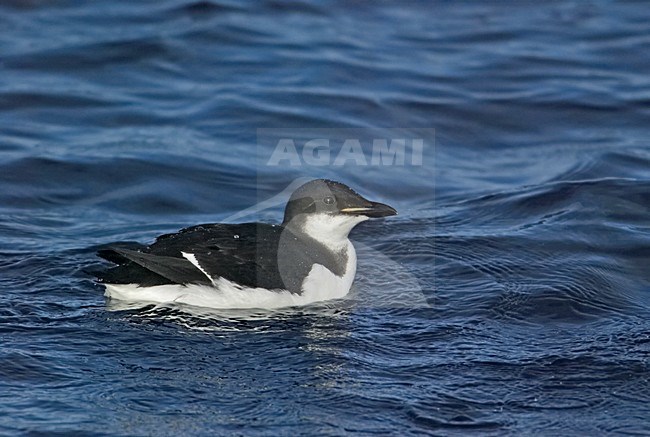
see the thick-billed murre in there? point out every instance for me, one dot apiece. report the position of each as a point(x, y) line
point(307, 258)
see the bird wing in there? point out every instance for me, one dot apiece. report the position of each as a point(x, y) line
point(176, 270)
point(242, 253)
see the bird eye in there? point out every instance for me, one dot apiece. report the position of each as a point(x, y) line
point(329, 200)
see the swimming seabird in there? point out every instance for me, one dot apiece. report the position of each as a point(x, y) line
point(307, 258)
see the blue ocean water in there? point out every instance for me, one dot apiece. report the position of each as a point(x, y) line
point(511, 295)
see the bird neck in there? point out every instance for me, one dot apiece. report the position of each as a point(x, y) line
point(329, 230)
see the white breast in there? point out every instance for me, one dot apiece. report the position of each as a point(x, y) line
point(322, 284)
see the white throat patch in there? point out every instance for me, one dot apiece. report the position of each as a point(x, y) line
point(331, 230)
